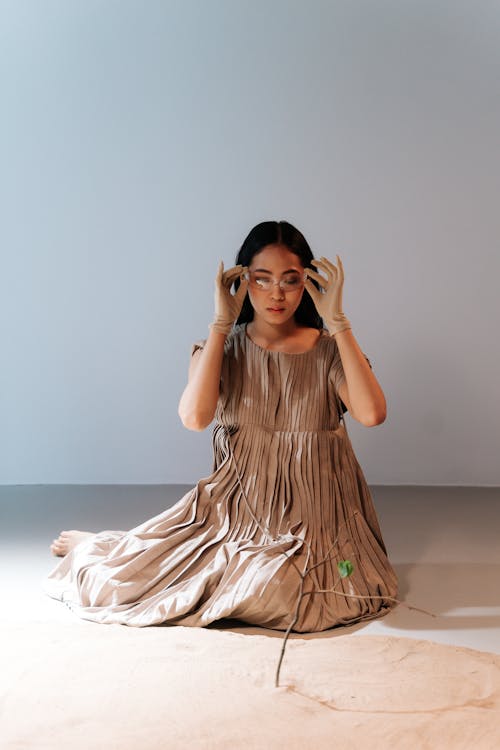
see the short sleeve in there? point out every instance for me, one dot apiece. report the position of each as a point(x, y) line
point(337, 375)
point(198, 345)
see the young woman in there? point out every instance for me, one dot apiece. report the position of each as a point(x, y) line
point(287, 499)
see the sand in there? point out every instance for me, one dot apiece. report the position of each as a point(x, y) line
point(80, 685)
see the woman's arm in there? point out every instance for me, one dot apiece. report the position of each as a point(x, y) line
point(360, 391)
point(199, 399)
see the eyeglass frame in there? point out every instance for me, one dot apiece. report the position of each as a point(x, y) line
point(280, 282)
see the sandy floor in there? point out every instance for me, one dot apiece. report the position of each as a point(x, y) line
point(175, 687)
point(404, 681)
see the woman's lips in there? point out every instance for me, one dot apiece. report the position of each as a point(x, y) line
point(276, 309)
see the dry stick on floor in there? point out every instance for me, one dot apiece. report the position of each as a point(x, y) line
point(303, 593)
point(307, 570)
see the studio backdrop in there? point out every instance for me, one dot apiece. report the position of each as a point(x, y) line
point(140, 142)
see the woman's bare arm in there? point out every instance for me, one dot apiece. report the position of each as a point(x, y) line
point(360, 391)
point(199, 399)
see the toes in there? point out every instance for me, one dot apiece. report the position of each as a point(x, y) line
point(58, 551)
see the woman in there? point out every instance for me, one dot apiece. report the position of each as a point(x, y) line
point(287, 499)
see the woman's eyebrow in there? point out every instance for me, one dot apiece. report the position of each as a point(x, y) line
point(264, 270)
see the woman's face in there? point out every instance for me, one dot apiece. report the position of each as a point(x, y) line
point(270, 301)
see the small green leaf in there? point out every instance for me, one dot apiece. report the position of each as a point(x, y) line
point(345, 568)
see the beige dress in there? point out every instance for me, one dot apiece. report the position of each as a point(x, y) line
point(286, 501)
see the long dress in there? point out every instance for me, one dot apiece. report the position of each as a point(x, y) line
point(259, 539)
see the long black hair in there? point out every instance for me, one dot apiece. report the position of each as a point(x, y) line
point(279, 233)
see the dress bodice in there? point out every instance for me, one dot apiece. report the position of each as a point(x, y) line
point(278, 390)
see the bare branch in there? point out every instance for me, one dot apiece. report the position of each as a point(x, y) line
point(333, 549)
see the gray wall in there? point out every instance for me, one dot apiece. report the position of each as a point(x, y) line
point(140, 141)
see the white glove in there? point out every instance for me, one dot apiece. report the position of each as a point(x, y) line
point(328, 298)
point(228, 306)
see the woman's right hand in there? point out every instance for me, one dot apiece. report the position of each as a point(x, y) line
point(228, 306)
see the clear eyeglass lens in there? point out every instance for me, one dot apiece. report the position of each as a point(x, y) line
point(290, 283)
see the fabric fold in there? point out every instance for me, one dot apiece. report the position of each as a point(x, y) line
point(285, 484)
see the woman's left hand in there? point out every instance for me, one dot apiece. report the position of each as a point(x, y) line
point(328, 298)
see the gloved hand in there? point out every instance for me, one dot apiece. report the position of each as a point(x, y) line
point(228, 306)
point(328, 298)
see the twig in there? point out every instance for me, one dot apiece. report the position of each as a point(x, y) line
point(307, 570)
point(340, 593)
point(288, 631)
point(358, 596)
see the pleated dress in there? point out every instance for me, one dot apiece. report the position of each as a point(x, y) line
point(259, 539)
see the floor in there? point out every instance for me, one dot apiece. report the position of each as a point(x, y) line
point(442, 541)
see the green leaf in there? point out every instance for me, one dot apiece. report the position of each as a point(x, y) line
point(345, 568)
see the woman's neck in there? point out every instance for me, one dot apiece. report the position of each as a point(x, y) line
point(270, 333)
point(292, 339)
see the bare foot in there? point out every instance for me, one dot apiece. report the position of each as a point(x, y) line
point(67, 540)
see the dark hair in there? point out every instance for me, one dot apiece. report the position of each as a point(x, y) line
point(279, 233)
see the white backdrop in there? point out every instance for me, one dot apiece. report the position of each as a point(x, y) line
point(139, 144)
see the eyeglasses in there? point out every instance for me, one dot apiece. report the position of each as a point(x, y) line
point(291, 283)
